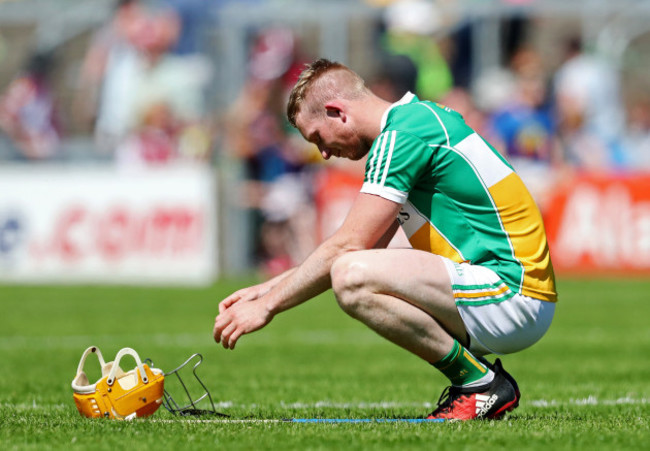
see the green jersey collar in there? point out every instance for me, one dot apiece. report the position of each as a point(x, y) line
point(409, 97)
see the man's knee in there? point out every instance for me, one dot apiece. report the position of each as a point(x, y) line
point(349, 282)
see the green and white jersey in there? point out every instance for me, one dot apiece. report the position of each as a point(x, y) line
point(460, 198)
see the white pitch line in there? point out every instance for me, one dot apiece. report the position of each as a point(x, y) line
point(588, 401)
point(302, 420)
point(219, 421)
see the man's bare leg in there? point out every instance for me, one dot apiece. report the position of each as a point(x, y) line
point(402, 294)
point(405, 296)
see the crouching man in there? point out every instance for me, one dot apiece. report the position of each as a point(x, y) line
point(479, 278)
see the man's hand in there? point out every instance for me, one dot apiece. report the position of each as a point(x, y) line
point(239, 318)
point(252, 293)
point(245, 295)
point(371, 218)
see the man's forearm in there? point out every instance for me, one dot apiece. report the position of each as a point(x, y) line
point(370, 218)
point(306, 281)
point(271, 283)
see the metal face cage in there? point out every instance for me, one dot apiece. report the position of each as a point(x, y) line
point(194, 402)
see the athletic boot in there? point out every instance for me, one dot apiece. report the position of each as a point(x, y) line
point(489, 401)
point(497, 367)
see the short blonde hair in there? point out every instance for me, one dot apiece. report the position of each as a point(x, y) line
point(349, 85)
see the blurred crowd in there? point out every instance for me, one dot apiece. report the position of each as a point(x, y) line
point(140, 89)
point(143, 84)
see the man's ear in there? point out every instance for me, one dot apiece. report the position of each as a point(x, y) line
point(336, 109)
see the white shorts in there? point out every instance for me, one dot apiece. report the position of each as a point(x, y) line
point(497, 320)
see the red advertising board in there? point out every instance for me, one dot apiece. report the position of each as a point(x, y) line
point(335, 191)
point(600, 223)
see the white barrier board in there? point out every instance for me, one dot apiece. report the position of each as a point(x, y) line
point(99, 225)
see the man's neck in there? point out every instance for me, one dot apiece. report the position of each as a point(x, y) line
point(373, 110)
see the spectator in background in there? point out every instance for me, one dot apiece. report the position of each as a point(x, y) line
point(194, 17)
point(395, 75)
point(153, 143)
point(461, 100)
point(166, 120)
point(276, 164)
point(107, 76)
point(637, 135)
point(525, 128)
point(28, 114)
point(150, 106)
point(410, 25)
point(589, 109)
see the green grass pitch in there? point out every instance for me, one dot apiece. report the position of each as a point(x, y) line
point(586, 384)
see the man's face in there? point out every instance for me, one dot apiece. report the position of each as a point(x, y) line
point(332, 135)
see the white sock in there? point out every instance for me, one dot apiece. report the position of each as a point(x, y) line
point(486, 379)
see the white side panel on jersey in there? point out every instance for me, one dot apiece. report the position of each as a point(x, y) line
point(488, 165)
point(410, 219)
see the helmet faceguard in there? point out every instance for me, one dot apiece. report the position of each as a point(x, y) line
point(194, 399)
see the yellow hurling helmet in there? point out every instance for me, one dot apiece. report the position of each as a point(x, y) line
point(118, 394)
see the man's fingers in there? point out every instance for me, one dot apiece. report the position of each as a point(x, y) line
point(230, 300)
point(238, 320)
point(220, 322)
point(226, 334)
point(232, 341)
point(243, 295)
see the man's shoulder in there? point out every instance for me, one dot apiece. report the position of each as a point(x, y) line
point(423, 110)
point(431, 122)
point(410, 112)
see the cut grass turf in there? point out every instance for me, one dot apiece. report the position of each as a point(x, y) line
point(584, 385)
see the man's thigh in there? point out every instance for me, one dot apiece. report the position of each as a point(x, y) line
point(417, 277)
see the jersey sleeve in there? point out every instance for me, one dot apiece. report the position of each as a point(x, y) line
point(394, 164)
